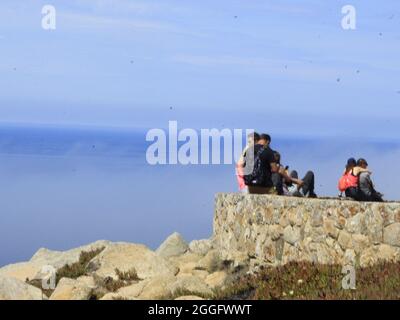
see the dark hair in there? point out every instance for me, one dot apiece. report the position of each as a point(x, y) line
point(254, 135)
point(351, 163)
point(265, 137)
point(362, 161)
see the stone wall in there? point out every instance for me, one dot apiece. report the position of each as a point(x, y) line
point(275, 230)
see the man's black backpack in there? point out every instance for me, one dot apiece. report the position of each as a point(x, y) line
point(257, 177)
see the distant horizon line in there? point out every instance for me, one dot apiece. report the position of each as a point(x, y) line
point(143, 129)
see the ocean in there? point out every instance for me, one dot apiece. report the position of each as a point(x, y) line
point(62, 187)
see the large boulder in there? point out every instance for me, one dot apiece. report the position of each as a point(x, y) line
point(21, 271)
point(187, 267)
point(210, 262)
point(184, 259)
point(174, 245)
point(187, 264)
point(44, 257)
point(71, 289)
point(14, 289)
point(200, 247)
point(58, 259)
point(88, 281)
point(130, 292)
point(154, 288)
point(157, 288)
point(126, 257)
point(191, 285)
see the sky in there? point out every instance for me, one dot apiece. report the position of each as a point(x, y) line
point(286, 67)
point(117, 68)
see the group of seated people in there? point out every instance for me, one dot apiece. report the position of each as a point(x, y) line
point(268, 175)
point(260, 171)
point(356, 182)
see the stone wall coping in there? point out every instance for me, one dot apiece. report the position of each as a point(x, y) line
point(303, 199)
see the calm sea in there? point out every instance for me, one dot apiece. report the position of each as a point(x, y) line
point(65, 187)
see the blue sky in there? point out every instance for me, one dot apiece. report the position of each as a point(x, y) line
point(268, 65)
point(282, 67)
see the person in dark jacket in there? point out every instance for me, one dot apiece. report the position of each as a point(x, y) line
point(366, 188)
point(264, 168)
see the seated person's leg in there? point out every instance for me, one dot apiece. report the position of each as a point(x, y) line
point(293, 191)
point(277, 182)
point(376, 197)
point(309, 184)
point(352, 193)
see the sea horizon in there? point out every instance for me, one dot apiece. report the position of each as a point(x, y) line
point(65, 186)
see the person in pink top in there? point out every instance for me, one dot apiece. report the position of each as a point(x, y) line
point(252, 138)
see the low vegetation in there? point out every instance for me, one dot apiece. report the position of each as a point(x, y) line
point(78, 269)
point(295, 280)
point(72, 271)
point(109, 284)
point(304, 280)
point(130, 275)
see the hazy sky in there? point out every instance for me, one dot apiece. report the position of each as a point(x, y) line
point(285, 66)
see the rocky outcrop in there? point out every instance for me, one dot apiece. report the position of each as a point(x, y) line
point(250, 231)
point(58, 259)
point(275, 230)
point(120, 271)
point(191, 283)
point(174, 245)
point(70, 289)
point(14, 289)
point(201, 246)
point(127, 256)
point(45, 257)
